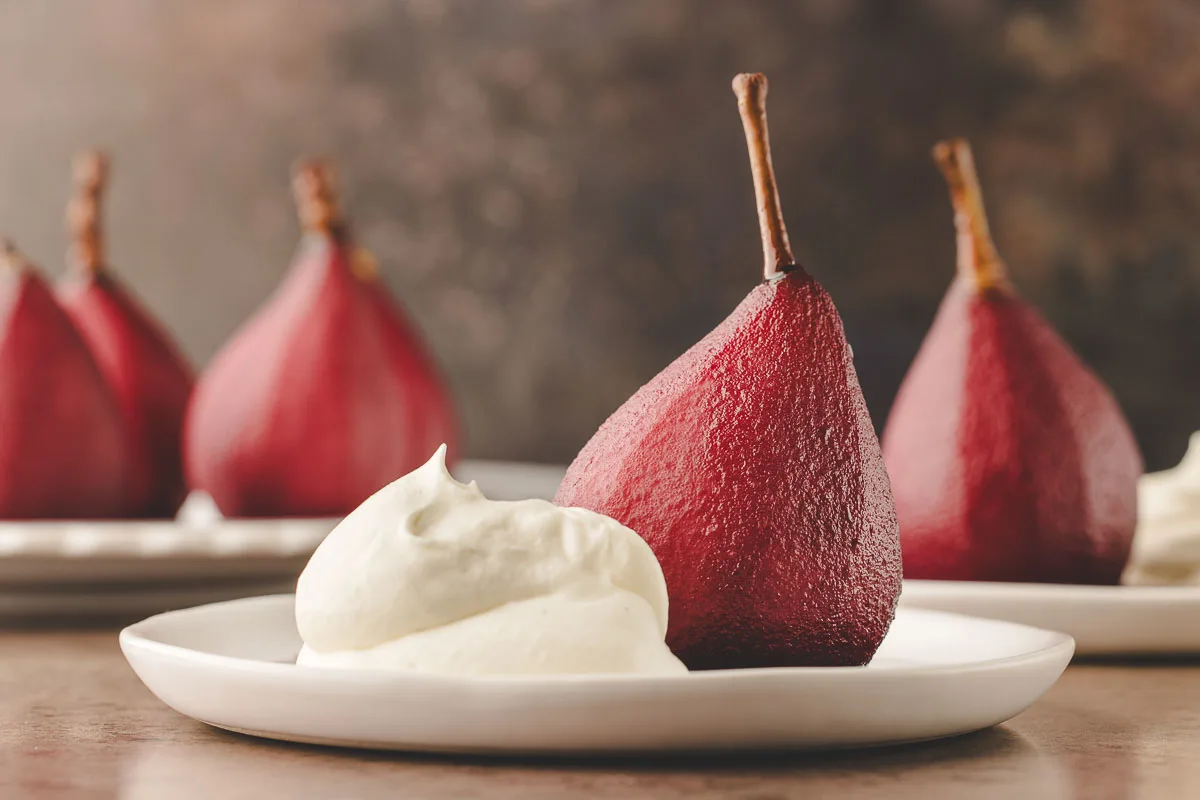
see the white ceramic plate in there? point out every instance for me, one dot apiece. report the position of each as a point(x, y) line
point(85, 568)
point(230, 665)
point(1104, 620)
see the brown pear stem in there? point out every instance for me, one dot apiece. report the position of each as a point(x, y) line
point(751, 91)
point(314, 187)
point(83, 212)
point(10, 257)
point(978, 261)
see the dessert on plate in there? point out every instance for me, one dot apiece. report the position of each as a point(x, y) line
point(751, 467)
point(326, 394)
point(63, 451)
point(745, 481)
point(1010, 460)
point(147, 374)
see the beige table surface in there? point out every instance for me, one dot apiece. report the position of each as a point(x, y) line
point(76, 723)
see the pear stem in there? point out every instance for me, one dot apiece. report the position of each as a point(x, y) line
point(978, 260)
point(751, 91)
point(90, 175)
point(315, 190)
point(10, 256)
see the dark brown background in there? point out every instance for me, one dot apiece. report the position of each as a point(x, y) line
point(559, 190)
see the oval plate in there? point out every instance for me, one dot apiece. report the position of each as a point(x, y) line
point(936, 675)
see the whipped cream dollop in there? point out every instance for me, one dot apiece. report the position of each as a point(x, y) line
point(1166, 548)
point(429, 575)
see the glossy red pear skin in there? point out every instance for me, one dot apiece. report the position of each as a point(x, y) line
point(1009, 459)
point(62, 448)
point(150, 380)
point(305, 412)
point(751, 467)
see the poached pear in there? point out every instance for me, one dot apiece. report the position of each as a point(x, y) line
point(63, 451)
point(1010, 460)
point(751, 467)
point(147, 374)
point(326, 394)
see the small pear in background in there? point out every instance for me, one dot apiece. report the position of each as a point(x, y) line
point(1010, 460)
point(751, 467)
point(147, 374)
point(63, 450)
point(326, 394)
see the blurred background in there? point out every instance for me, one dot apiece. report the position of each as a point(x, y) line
point(559, 191)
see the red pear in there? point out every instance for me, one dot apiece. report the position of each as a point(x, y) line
point(147, 374)
point(1009, 459)
point(751, 467)
point(326, 394)
point(62, 445)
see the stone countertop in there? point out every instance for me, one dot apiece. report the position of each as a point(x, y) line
point(76, 723)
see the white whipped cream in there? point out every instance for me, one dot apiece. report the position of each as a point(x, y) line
point(1166, 548)
point(430, 575)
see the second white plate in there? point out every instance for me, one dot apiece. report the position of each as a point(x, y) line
point(1104, 620)
point(936, 675)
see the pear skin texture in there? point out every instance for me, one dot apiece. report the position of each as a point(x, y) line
point(62, 445)
point(150, 380)
point(1010, 460)
point(433, 418)
point(751, 467)
point(321, 399)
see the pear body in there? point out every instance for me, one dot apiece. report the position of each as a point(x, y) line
point(751, 467)
point(432, 413)
point(149, 378)
point(1010, 460)
point(62, 445)
point(306, 411)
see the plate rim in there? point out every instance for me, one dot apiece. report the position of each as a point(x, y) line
point(75, 541)
point(1060, 645)
point(1058, 591)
